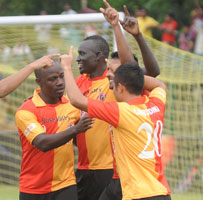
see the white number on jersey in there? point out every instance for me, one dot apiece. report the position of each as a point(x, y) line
point(157, 137)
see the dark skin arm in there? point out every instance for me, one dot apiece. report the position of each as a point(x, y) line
point(151, 83)
point(46, 142)
point(130, 24)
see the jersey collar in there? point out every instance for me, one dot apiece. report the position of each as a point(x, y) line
point(96, 78)
point(38, 101)
point(137, 100)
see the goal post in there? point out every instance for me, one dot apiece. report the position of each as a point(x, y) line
point(26, 38)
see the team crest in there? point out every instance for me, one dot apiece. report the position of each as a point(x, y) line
point(101, 97)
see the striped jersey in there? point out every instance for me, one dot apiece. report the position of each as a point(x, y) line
point(137, 127)
point(94, 148)
point(44, 172)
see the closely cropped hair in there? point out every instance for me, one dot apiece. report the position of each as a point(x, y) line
point(115, 55)
point(131, 76)
point(39, 72)
point(101, 44)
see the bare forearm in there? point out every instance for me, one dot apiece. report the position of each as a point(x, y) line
point(150, 63)
point(47, 142)
point(10, 83)
point(75, 96)
point(151, 83)
point(124, 50)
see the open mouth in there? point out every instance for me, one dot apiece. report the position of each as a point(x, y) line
point(80, 65)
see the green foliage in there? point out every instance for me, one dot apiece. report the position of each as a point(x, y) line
point(30, 7)
point(156, 8)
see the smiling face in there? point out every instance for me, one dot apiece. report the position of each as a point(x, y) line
point(113, 65)
point(51, 82)
point(87, 57)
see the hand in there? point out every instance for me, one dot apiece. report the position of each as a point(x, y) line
point(43, 62)
point(84, 124)
point(111, 15)
point(67, 60)
point(130, 24)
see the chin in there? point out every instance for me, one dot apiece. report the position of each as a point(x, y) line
point(59, 95)
point(82, 72)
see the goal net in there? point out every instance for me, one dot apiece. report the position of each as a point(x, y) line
point(23, 40)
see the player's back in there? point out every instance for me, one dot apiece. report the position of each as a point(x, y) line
point(138, 146)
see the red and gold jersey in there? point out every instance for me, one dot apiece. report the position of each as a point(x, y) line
point(115, 173)
point(137, 127)
point(44, 172)
point(94, 148)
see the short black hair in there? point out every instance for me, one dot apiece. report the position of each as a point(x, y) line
point(101, 44)
point(38, 73)
point(131, 76)
point(115, 55)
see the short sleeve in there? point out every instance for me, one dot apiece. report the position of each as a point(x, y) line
point(159, 93)
point(107, 111)
point(27, 123)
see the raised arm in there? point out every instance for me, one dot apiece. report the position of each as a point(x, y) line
point(130, 24)
point(112, 16)
point(151, 83)
point(75, 96)
point(10, 83)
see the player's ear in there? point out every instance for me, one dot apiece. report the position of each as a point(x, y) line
point(99, 54)
point(120, 88)
point(37, 80)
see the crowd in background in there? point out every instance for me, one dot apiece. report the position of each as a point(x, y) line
point(188, 36)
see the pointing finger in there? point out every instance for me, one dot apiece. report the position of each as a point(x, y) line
point(102, 10)
point(53, 55)
point(126, 11)
point(71, 50)
point(106, 4)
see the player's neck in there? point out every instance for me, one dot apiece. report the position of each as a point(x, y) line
point(49, 100)
point(129, 97)
point(98, 72)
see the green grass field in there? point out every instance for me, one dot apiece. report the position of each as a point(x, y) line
point(11, 193)
point(8, 192)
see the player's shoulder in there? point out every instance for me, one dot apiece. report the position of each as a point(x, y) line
point(158, 90)
point(81, 77)
point(158, 93)
point(27, 104)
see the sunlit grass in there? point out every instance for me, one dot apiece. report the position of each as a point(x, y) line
point(12, 193)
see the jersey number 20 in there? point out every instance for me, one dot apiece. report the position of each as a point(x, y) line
point(156, 139)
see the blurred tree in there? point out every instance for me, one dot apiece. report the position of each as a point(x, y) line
point(30, 7)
